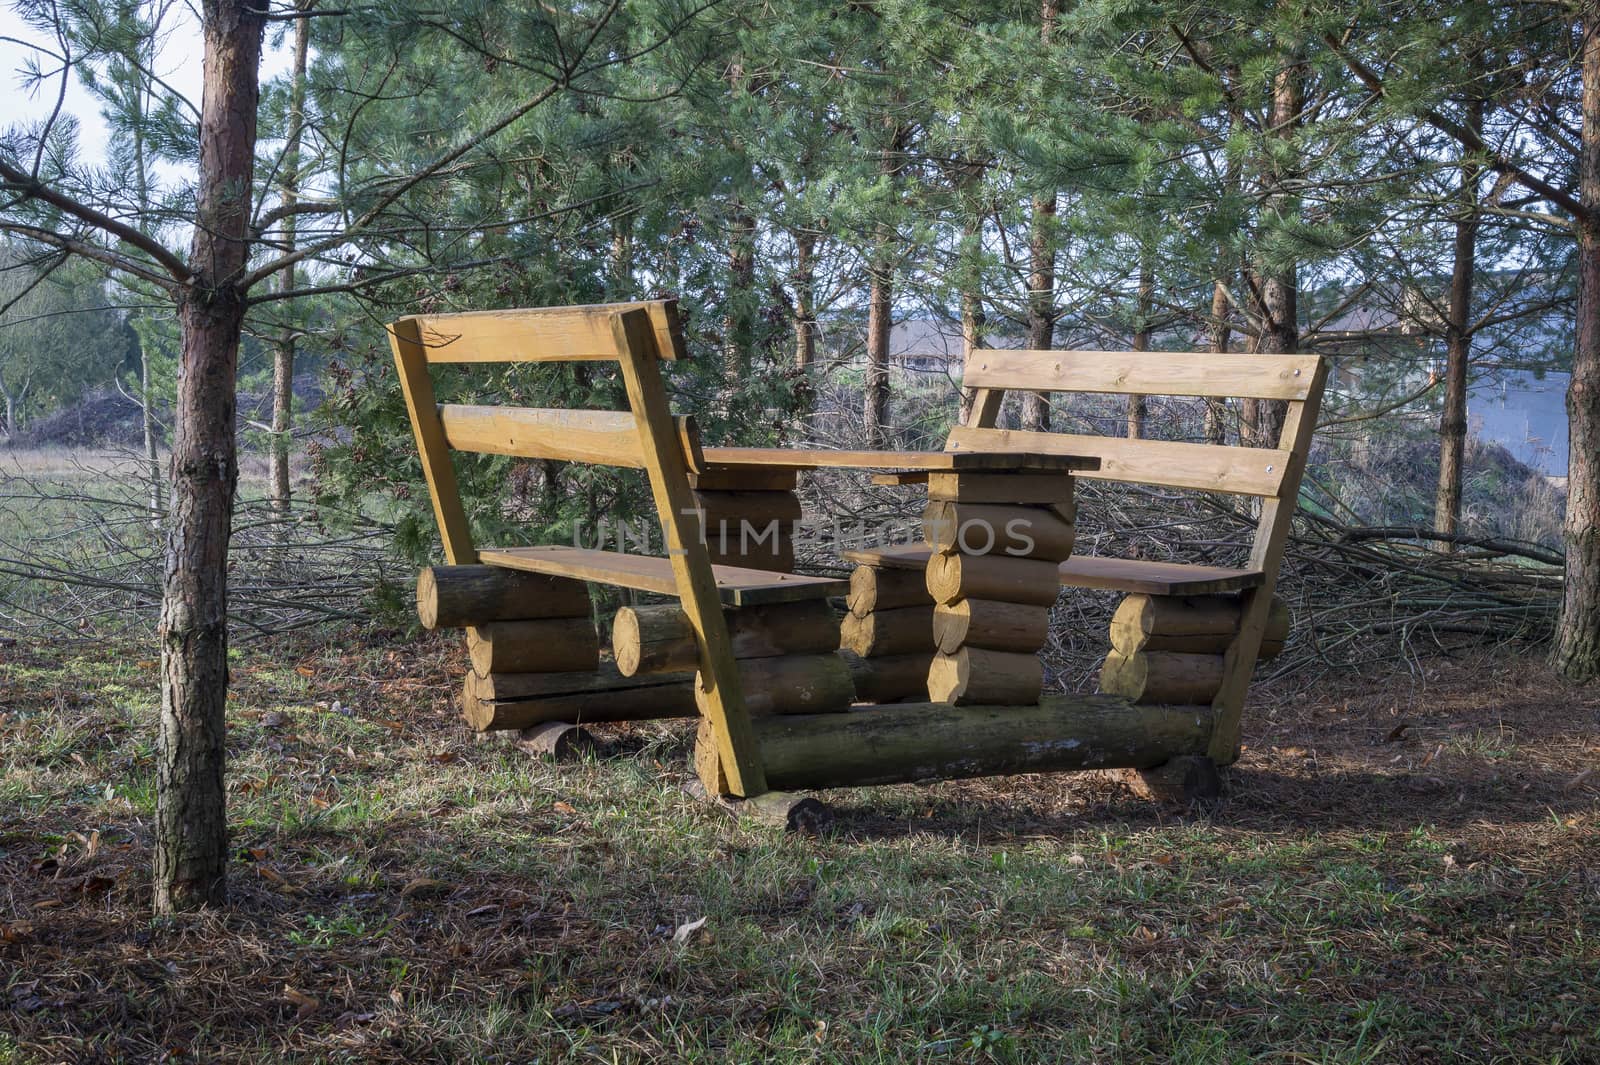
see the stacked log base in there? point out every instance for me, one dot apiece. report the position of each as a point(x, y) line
point(523, 700)
point(749, 517)
point(535, 653)
point(786, 653)
point(997, 542)
point(887, 637)
point(1170, 649)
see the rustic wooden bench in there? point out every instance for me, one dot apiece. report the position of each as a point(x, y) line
point(772, 714)
point(1219, 616)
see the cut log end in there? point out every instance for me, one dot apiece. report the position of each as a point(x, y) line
point(454, 597)
point(976, 676)
point(1162, 677)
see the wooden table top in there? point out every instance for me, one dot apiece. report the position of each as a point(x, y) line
point(928, 461)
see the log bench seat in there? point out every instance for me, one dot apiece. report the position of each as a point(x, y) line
point(1132, 575)
point(737, 586)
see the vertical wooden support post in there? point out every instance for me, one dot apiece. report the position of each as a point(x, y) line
point(985, 408)
point(1272, 535)
point(738, 759)
point(411, 359)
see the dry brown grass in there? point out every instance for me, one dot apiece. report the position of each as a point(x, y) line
point(1403, 872)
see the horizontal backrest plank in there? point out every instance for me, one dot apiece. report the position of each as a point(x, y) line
point(1249, 471)
point(545, 334)
point(605, 437)
point(1148, 373)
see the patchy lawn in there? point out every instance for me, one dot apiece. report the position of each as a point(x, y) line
point(1406, 870)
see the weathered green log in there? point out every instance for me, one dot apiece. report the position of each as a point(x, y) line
point(908, 742)
point(523, 700)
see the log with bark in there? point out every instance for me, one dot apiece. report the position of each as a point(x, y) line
point(884, 588)
point(453, 597)
point(547, 645)
point(1197, 624)
point(951, 577)
point(794, 684)
point(659, 639)
point(1170, 677)
point(523, 700)
point(998, 529)
point(975, 676)
point(931, 741)
point(991, 624)
point(889, 678)
point(903, 630)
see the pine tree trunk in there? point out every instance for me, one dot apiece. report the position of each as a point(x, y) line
point(738, 324)
point(973, 321)
point(1216, 425)
point(805, 300)
point(1577, 645)
point(619, 283)
point(1042, 261)
point(1041, 303)
point(283, 352)
point(880, 320)
point(1458, 348)
point(191, 845)
point(1280, 332)
point(1139, 406)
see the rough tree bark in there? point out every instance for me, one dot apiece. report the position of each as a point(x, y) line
point(1041, 302)
point(880, 320)
point(880, 298)
point(805, 299)
point(1458, 345)
point(1042, 263)
point(738, 324)
point(283, 353)
point(1576, 653)
point(1138, 405)
point(1216, 427)
point(191, 846)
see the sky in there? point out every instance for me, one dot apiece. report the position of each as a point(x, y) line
point(179, 63)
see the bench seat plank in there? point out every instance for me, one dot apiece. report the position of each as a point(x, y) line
point(1087, 571)
point(736, 585)
point(1155, 578)
point(970, 460)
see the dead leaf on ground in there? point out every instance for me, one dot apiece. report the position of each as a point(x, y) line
point(686, 931)
point(564, 808)
point(423, 885)
point(305, 1005)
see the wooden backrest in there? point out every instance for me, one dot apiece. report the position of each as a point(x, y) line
point(1267, 472)
point(1272, 473)
point(546, 334)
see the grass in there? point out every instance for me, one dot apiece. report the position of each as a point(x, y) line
point(403, 893)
